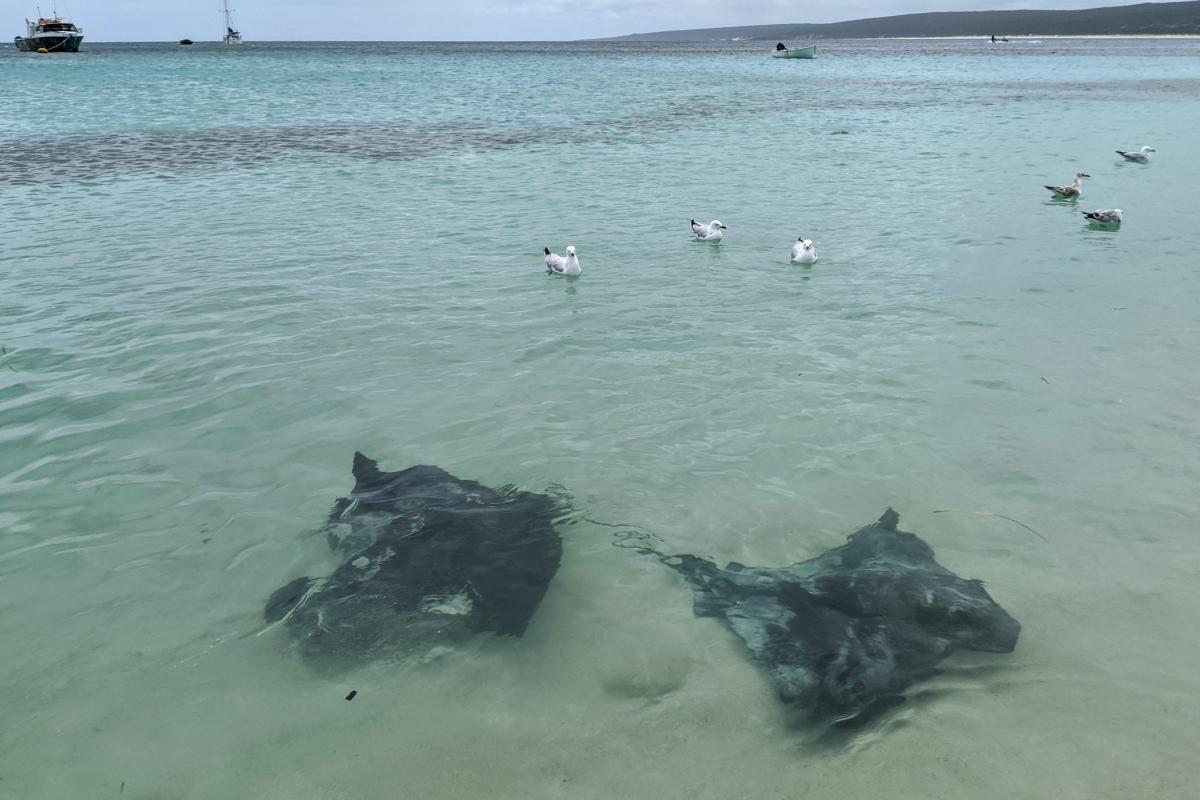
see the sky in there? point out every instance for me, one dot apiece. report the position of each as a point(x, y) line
point(475, 20)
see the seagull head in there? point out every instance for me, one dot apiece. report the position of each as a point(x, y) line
point(570, 249)
point(1079, 175)
point(1148, 149)
point(716, 223)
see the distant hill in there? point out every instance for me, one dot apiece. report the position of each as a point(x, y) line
point(1143, 18)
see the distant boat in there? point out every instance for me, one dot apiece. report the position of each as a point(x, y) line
point(231, 33)
point(186, 41)
point(50, 35)
point(796, 52)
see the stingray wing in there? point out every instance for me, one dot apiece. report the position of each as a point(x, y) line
point(830, 663)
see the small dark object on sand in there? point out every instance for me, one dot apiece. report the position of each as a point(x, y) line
point(352, 694)
point(430, 559)
point(844, 634)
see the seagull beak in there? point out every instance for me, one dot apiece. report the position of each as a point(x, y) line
point(724, 227)
point(1085, 175)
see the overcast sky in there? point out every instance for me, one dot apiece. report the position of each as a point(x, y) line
point(168, 20)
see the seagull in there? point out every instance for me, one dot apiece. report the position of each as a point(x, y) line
point(1140, 156)
point(1105, 216)
point(711, 231)
point(803, 252)
point(559, 265)
point(1069, 191)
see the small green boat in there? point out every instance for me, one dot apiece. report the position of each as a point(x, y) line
point(795, 52)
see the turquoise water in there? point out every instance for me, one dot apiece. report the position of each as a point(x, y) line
point(221, 272)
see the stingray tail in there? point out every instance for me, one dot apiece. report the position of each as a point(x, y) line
point(700, 572)
point(697, 570)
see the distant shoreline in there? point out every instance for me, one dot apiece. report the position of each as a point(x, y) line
point(1025, 37)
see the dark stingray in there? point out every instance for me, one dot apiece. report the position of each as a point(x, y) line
point(429, 558)
point(844, 634)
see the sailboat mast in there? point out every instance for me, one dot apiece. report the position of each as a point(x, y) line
point(232, 36)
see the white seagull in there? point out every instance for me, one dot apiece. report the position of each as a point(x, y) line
point(1105, 216)
point(1140, 156)
point(709, 232)
point(803, 252)
point(560, 265)
point(1068, 191)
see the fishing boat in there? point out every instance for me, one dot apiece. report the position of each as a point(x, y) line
point(50, 35)
point(232, 36)
point(795, 52)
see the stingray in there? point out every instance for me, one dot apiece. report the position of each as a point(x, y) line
point(844, 634)
point(429, 559)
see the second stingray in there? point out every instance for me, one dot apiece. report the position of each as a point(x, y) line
point(844, 634)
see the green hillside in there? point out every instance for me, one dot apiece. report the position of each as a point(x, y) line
point(1143, 18)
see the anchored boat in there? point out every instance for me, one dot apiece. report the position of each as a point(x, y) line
point(231, 33)
point(50, 35)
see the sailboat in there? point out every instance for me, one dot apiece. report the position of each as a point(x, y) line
point(231, 33)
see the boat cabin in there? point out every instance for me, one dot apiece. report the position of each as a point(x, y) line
point(55, 25)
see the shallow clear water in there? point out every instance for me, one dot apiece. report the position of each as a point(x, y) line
point(221, 272)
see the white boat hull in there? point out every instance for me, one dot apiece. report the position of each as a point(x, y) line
point(796, 52)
